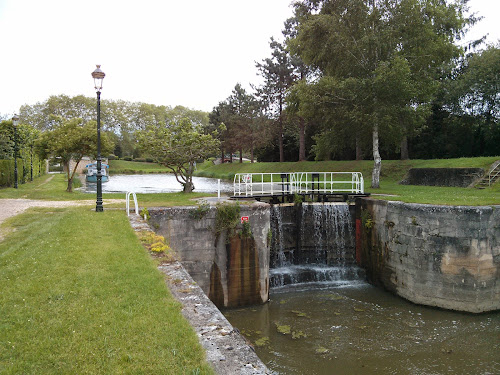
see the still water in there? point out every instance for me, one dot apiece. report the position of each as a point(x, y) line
point(156, 183)
point(361, 329)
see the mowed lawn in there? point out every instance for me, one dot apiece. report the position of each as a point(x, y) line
point(80, 295)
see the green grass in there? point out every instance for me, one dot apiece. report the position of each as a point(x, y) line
point(134, 167)
point(80, 295)
point(392, 172)
point(48, 187)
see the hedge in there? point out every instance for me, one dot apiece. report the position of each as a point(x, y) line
point(23, 171)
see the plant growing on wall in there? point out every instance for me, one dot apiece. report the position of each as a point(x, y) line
point(199, 212)
point(226, 219)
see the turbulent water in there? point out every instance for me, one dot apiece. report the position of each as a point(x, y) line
point(320, 255)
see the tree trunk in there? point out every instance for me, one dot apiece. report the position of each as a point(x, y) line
point(221, 155)
point(241, 155)
point(188, 185)
point(404, 148)
point(280, 140)
point(302, 139)
point(359, 151)
point(377, 165)
point(69, 189)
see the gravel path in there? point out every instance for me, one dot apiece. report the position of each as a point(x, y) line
point(12, 207)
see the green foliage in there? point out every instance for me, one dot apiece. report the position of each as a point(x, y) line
point(366, 219)
point(155, 243)
point(199, 212)
point(379, 61)
point(145, 213)
point(297, 199)
point(72, 140)
point(178, 146)
point(246, 230)
point(227, 219)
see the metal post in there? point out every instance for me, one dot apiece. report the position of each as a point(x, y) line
point(218, 188)
point(99, 207)
point(31, 161)
point(15, 156)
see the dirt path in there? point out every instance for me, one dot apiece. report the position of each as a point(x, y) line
point(12, 207)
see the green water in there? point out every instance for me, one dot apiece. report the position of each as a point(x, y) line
point(361, 329)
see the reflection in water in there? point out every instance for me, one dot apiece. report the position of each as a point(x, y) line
point(156, 183)
point(361, 329)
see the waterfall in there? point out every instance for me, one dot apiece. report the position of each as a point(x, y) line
point(322, 247)
point(281, 259)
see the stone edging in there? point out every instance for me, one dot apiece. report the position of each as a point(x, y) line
point(226, 349)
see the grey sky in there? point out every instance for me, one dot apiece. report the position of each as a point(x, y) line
point(189, 53)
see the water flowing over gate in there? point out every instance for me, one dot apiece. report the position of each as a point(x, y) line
point(313, 242)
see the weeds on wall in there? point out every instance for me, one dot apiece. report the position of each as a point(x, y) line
point(199, 212)
point(145, 213)
point(246, 230)
point(157, 245)
point(226, 219)
point(366, 219)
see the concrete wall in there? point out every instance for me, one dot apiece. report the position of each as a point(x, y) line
point(459, 177)
point(231, 271)
point(444, 256)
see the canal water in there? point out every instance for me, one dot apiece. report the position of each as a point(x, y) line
point(156, 183)
point(355, 328)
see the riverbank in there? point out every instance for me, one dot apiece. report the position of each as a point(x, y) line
point(393, 171)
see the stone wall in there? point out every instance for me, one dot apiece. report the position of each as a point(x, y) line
point(231, 271)
point(459, 177)
point(444, 256)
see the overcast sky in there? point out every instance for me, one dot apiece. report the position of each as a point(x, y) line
point(164, 52)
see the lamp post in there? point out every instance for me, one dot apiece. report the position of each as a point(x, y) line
point(98, 76)
point(15, 123)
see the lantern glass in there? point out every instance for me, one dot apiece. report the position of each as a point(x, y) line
point(98, 76)
point(15, 120)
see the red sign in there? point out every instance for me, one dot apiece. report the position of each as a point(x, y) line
point(244, 219)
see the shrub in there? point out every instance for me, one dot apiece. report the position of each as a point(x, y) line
point(145, 213)
point(199, 212)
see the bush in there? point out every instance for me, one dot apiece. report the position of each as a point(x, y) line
point(127, 158)
point(140, 160)
point(112, 157)
point(149, 160)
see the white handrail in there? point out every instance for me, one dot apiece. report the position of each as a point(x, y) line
point(135, 202)
point(250, 184)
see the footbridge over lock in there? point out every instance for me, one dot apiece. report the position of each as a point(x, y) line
point(316, 186)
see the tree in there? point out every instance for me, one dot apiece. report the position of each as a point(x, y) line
point(387, 53)
point(178, 146)
point(280, 72)
point(72, 140)
point(475, 92)
point(241, 116)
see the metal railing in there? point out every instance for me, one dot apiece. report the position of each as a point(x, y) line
point(127, 197)
point(252, 184)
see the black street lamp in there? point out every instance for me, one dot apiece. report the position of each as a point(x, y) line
point(15, 123)
point(98, 76)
